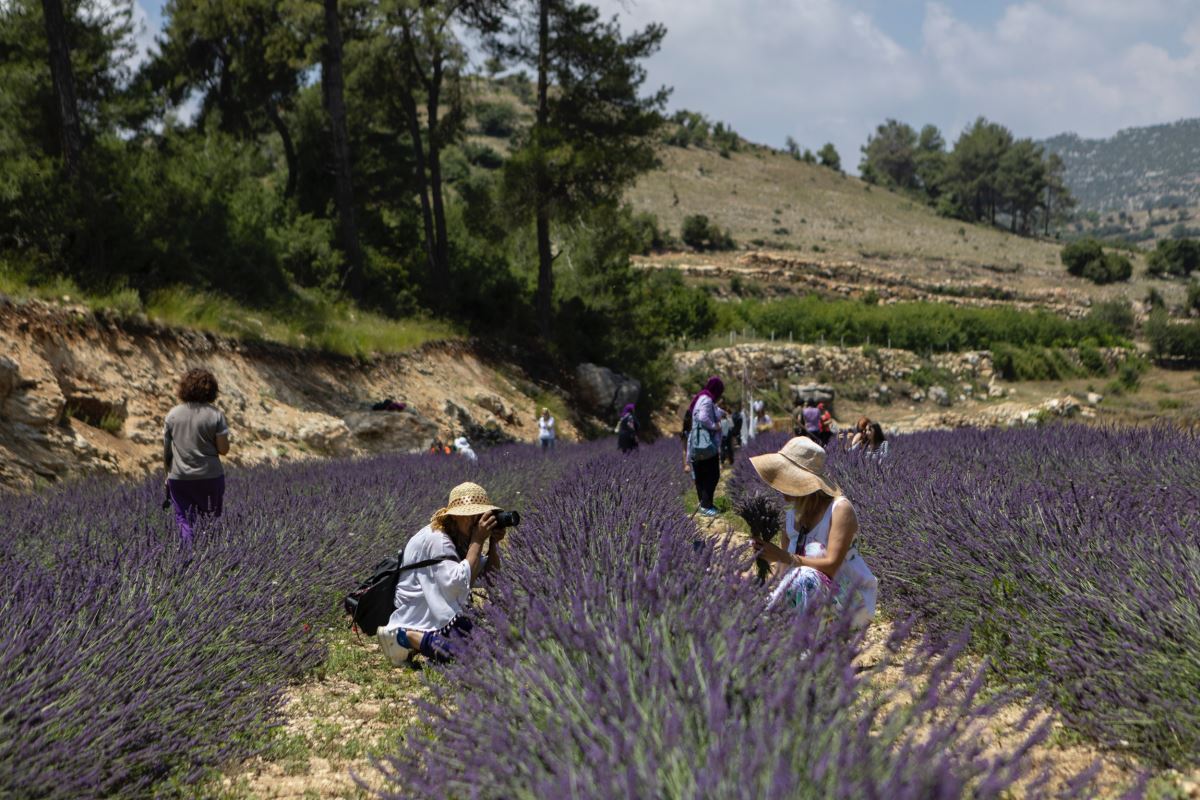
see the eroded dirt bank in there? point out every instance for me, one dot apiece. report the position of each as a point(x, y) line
point(84, 393)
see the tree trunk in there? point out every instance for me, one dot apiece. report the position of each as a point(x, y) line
point(441, 248)
point(414, 131)
point(64, 86)
point(343, 186)
point(545, 286)
point(289, 147)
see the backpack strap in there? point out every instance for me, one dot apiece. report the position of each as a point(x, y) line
point(429, 562)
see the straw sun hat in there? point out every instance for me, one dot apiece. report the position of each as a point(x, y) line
point(466, 500)
point(797, 469)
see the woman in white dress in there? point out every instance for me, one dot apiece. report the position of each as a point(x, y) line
point(821, 562)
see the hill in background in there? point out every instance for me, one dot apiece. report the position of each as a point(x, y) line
point(1138, 168)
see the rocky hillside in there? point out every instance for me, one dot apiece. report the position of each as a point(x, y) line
point(1156, 166)
point(84, 393)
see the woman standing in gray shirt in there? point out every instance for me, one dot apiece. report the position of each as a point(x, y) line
point(195, 437)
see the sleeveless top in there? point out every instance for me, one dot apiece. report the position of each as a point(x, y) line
point(819, 533)
point(855, 582)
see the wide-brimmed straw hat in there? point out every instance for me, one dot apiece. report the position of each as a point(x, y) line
point(466, 500)
point(797, 469)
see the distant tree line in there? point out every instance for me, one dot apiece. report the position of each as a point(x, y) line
point(988, 176)
point(692, 129)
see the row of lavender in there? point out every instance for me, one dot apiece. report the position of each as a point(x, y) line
point(620, 655)
point(1073, 555)
point(129, 664)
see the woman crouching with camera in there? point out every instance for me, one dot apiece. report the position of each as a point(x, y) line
point(455, 549)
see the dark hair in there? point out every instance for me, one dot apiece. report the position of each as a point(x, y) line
point(877, 433)
point(198, 386)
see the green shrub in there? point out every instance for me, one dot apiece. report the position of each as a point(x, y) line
point(496, 119)
point(1178, 257)
point(1193, 296)
point(1076, 256)
point(828, 156)
point(1116, 315)
point(1087, 259)
point(927, 375)
point(482, 155)
point(1092, 359)
point(700, 233)
point(1170, 340)
point(1129, 373)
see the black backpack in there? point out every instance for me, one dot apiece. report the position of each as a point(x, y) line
point(372, 603)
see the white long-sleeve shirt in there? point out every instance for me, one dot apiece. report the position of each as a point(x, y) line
point(429, 597)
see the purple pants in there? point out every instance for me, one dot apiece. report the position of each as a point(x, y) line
point(193, 499)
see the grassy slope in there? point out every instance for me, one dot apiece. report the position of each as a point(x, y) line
point(787, 205)
point(750, 190)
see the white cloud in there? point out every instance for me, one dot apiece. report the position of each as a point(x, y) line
point(1043, 68)
point(825, 70)
point(818, 70)
point(141, 41)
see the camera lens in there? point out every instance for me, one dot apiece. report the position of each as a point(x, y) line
point(508, 519)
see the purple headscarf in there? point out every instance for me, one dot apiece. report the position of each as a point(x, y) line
point(627, 410)
point(714, 389)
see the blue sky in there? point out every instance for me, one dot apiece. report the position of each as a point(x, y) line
point(830, 70)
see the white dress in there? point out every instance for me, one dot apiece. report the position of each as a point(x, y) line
point(854, 581)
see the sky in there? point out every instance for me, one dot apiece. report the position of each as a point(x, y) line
point(831, 70)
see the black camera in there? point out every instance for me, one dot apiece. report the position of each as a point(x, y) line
point(507, 519)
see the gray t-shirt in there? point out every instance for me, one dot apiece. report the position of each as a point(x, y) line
point(190, 436)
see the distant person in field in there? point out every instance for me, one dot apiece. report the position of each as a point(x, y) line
point(875, 443)
point(627, 430)
point(463, 447)
point(736, 437)
point(859, 436)
point(546, 433)
point(462, 543)
point(826, 431)
point(820, 560)
point(702, 443)
point(195, 436)
point(811, 417)
point(726, 434)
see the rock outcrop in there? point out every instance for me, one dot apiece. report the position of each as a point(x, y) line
point(604, 392)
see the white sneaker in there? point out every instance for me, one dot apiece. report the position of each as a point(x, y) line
point(394, 647)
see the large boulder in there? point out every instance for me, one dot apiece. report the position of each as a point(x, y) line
point(380, 431)
point(603, 391)
point(34, 397)
point(939, 395)
point(817, 392)
point(325, 435)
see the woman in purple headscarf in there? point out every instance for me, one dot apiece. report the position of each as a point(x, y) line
point(627, 430)
point(701, 460)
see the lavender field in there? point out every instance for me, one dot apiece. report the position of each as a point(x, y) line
point(622, 653)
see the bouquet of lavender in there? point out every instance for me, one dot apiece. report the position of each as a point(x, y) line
point(765, 519)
